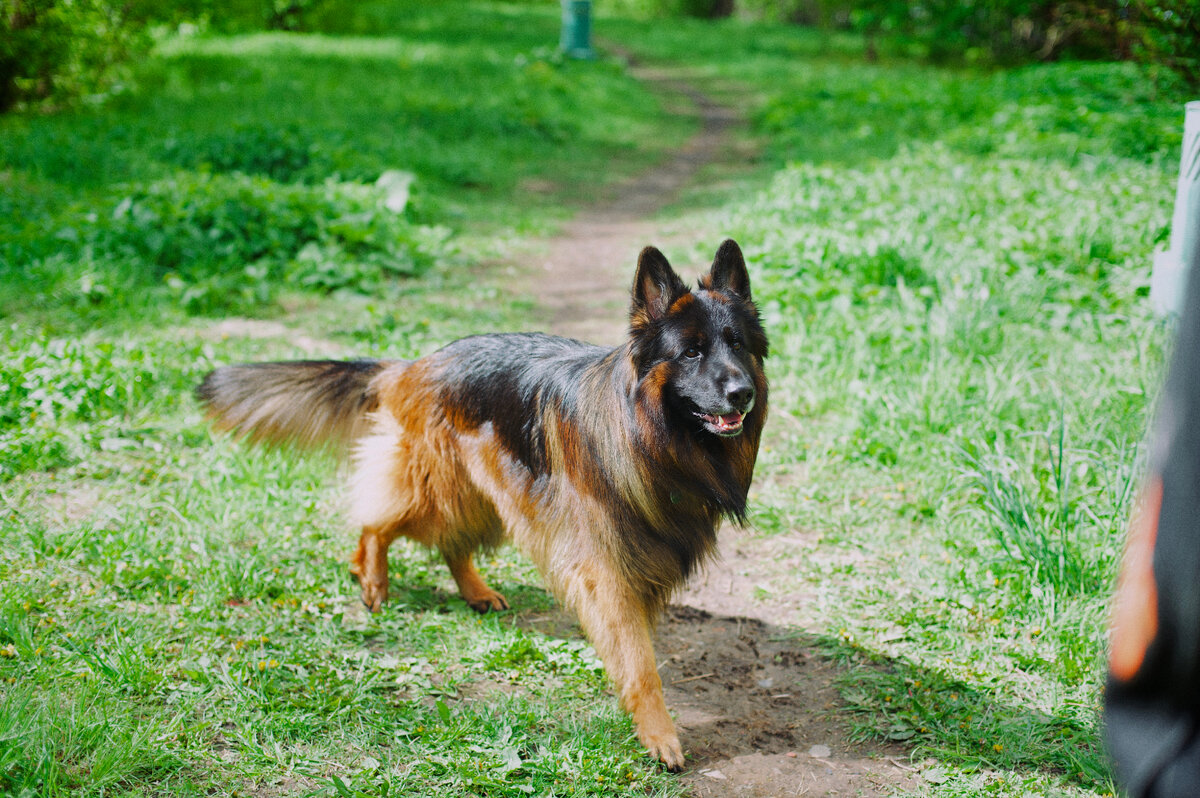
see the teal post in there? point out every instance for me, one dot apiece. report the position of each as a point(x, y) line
point(576, 38)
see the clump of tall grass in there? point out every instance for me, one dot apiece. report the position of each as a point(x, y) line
point(1058, 513)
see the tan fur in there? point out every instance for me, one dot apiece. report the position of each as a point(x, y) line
point(416, 475)
point(410, 480)
point(290, 403)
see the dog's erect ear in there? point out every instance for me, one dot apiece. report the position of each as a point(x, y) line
point(656, 286)
point(728, 271)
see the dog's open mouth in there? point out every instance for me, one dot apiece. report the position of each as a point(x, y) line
point(729, 424)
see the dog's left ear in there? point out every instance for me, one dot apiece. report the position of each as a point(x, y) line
point(728, 272)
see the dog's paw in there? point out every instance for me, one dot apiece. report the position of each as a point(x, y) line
point(373, 594)
point(666, 749)
point(491, 601)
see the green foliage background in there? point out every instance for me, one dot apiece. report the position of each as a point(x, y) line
point(1164, 33)
point(65, 50)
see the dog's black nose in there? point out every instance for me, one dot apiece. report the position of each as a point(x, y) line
point(740, 395)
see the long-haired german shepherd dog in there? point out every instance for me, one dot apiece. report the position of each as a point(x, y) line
point(610, 468)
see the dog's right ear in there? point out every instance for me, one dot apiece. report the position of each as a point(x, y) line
point(656, 286)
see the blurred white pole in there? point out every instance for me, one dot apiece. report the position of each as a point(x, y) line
point(1168, 280)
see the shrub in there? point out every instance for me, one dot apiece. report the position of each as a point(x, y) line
point(1164, 32)
point(227, 240)
point(209, 222)
point(62, 50)
point(704, 9)
point(1171, 37)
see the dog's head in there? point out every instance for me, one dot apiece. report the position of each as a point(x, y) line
point(701, 350)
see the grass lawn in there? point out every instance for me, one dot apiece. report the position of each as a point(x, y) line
point(953, 267)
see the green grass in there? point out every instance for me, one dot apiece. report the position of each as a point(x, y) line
point(814, 98)
point(241, 165)
point(953, 267)
point(156, 639)
point(176, 616)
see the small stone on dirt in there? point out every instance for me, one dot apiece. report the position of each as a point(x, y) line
point(820, 752)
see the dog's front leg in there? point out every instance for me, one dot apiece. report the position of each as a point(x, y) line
point(619, 628)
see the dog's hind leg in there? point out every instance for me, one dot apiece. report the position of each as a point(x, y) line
point(410, 482)
point(389, 498)
point(474, 590)
point(369, 564)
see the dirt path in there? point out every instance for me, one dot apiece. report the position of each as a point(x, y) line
point(754, 701)
point(582, 279)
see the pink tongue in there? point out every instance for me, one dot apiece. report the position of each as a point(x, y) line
point(729, 421)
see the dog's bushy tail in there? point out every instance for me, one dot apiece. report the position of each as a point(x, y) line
point(310, 404)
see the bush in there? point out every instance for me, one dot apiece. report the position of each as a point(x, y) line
point(62, 50)
point(237, 16)
point(1171, 37)
point(211, 235)
point(213, 243)
point(1006, 31)
point(1165, 32)
point(703, 9)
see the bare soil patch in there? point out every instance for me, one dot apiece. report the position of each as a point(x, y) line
point(757, 706)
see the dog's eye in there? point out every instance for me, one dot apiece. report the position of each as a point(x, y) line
point(735, 345)
point(691, 352)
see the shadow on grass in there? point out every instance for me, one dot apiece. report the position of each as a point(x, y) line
point(937, 715)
